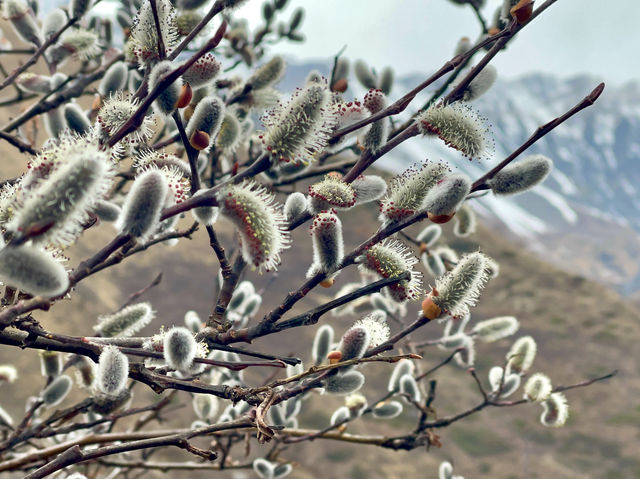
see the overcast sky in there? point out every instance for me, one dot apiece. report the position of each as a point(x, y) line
point(600, 37)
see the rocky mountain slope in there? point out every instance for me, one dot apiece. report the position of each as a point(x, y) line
point(586, 217)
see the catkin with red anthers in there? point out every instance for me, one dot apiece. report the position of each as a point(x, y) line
point(328, 244)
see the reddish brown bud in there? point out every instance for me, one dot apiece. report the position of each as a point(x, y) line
point(493, 31)
point(340, 85)
point(430, 310)
point(335, 174)
point(327, 283)
point(439, 219)
point(199, 140)
point(185, 96)
point(522, 10)
point(334, 357)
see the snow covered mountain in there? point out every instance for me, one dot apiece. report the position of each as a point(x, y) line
point(586, 216)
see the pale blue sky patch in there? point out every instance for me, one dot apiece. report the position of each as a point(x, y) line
point(572, 37)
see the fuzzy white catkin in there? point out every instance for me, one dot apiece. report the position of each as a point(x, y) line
point(166, 102)
point(114, 79)
point(445, 197)
point(205, 406)
point(331, 193)
point(32, 83)
point(467, 356)
point(57, 390)
point(53, 22)
point(8, 373)
point(295, 206)
point(387, 410)
point(263, 468)
point(107, 211)
point(322, 343)
point(480, 84)
point(522, 354)
point(404, 366)
point(521, 175)
point(409, 386)
point(193, 321)
point(32, 270)
point(555, 411)
point(343, 384)
point(268, 74)
point(299, 129)
point(433, 264)
point(465, 222)
point(179, 348)
point(125, 322)
point(407, 191)
point(445, 471)
point(454, 341)
point(206, 215)
point(260, 224)
point(354, 343)
point(63, 200)
point(202, 72)
point(460, 288)
point(538, 388)
point(112, 372)
point(207, 116)
point(510, 384)
point(328, 245)
point(281, 470)
point(341, 414)
point(251, 305)
point(54, 122)
point(22, 20)
point(458, 125)
point(229, 134)
point(377, 328)
point(497, 328)
point(242, 292)
point(50, 363)
point(368, 188)
point(141, 210)
point(386, 80)
point(430, 234)
point(75, 118)
point(364, 75)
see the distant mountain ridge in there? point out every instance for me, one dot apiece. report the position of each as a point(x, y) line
point(595, 180)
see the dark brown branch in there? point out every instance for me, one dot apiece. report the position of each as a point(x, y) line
point(21, 145)
point(216, 8)
point(162, 53)
point(75, 454)
point(481, 183)
point(136, 119)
